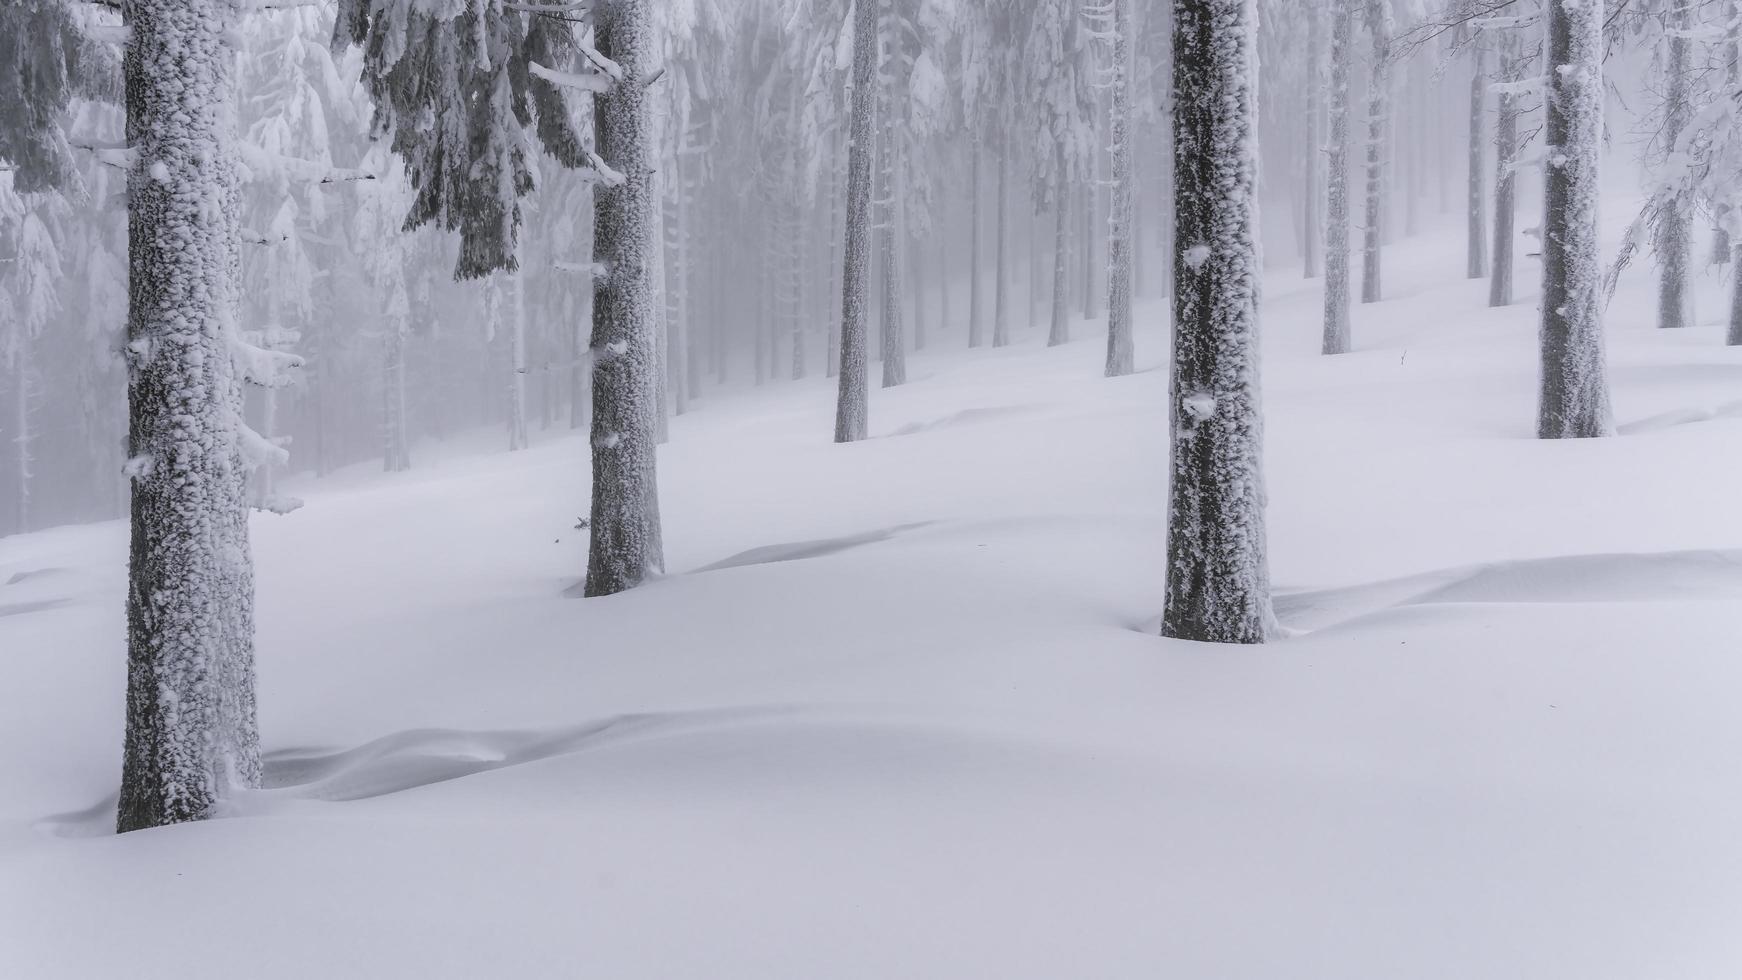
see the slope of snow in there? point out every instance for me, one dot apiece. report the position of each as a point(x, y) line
point(900, 710)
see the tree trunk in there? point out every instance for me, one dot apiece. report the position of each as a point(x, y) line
point(1476, 242)
point(975, 258)
point(677, 347)
point(1674, 229)
point(1574, 400)
point(1060, 331)
point(1378, 111)
point(517, 438)
point(1001, 280)
point(894, 340)
point(21, 437)
point(1217, 582)
point(1091, 308)
point(191, 730)
point(1505, 179)
point(396, 455)
point(1120, 354)
point(1314, 230)
point(851, 407)
point(580, 366)
point(625, 530)
point(1336, 324)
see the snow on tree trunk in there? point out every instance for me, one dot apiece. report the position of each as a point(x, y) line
point(1674, 227)
point(851, 408)
point(1217, 582)
point(397, 453)
point(1476, 245)
point(1313, 231)
point(1060, 331)
point(1119, 344)
point(625, 543)
point(1001, 277)
point(1336, 323)
point(191, 732)
point(1574, 396)
point(1378, 113)
point(1506, 110)
point(894, 342)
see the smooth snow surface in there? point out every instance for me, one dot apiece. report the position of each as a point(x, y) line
point(900, 709)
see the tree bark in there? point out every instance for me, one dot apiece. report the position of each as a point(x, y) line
point(1378, 113)
point(1120, 355)
point(1336, 321)
point(1505, 178)
point(851, 404)
point(1217, 582)
point(1001, 279)
point(1674, 229)
point(1476, 243)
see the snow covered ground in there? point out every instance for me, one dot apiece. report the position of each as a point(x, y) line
point(899, 709)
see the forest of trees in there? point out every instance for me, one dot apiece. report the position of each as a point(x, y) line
point(240, 241)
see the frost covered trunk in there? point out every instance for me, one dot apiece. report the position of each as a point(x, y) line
point(1336, 325)
point(396, 455)
point(1217, 583)
point(517, 438)
point(1674, 227)
point(1312, 230)
point(1091, 309)
point(1378, 113)
point(191, 732)
point(1476, 247)
point(850, 407)
point(625, 542)
point(1060, 331)
point(976, 258)
point(1001, 278)
point(1512, 64)
point(894, 341)
point(1119, 345)
point(678, 368)
point(1574, 395)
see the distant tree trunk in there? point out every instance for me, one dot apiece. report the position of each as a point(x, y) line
point(944, 278)
point(1336, 324)
point(1060, 331)
point(1476, 247)
point(851, 407)
point(1574, 399)
point(1505, 179)
point(1674, 229)
point(1001, 283)
point(191, 734)
point(625, 528)
point(580, 364)
point(517, 438)
point(1091, 308)
point(1119, 343)
point(1217, 583)
point(1378, 116)
point(976, 260)
point(894, 341)
point(795, 289)
point(397, 455)
point(678, 369)
point(21, 436)
point(916, 262)
point(1313, 231)
point(837, 195)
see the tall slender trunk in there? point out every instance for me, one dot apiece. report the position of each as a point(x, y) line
point(944, 279)
point(1378, 115)
point(1674, 229)
point(894, 340)
point(1091, 304)
point(580, 364)
point(837, 196)
point(916, 264)
point(1574, 400)
point(1336, 322)
point(517, 438)
point(795, 315)
point(1314, 224)
point(976, 260)
point(1217, 582)
point(1060, 331)
point(677, 288)
point(1120, 355)
point(192, 736)
point(21, 437)
point(1001, 281)
point(1476, 240)
point(851, 407)
point(1505, 177)
point(396, 455)
point(625, 529)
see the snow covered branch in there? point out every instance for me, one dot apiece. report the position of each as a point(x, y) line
point(591, 82)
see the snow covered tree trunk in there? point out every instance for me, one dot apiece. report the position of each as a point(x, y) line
point(1476, 246)
point(1336, 324)
point(917, 265)
point(677, 291)
point(795, 313)
point(1001, 279)
point(1091, 308)
point(1674, 228)
point(396, 456)
point(851, 407)
point(1505, 177)
point(1119, 343)
point(625, 533)
point(894, 340)
point(1734, 337)
point(1574, 396)
point(976, 257)
point(1313, 231)
point(580, 362)
point(191, 730)
point(1060, 331)
point(517, 438)
point(1378, 113)
point(1217, 582)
